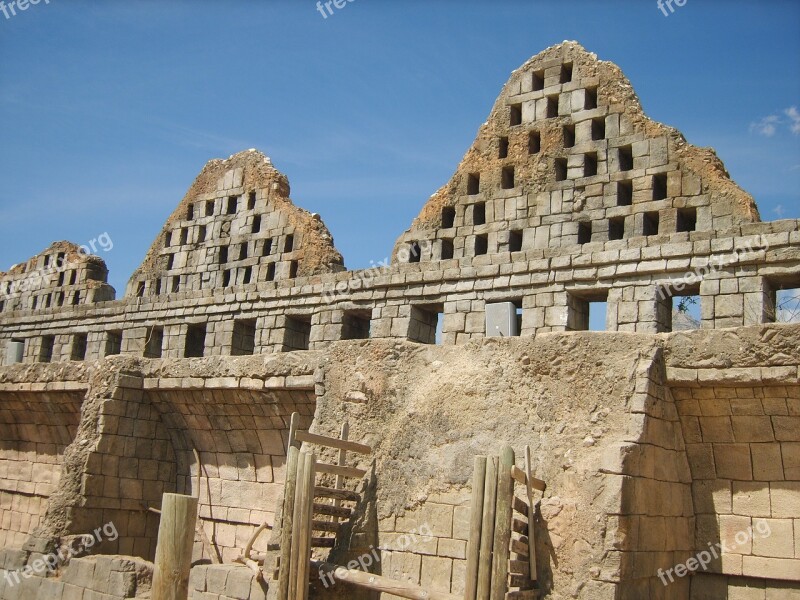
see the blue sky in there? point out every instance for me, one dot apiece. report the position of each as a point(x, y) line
point(110, 109)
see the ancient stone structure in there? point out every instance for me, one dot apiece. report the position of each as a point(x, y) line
point(656, 445)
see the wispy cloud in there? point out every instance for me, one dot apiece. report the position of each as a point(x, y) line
point(768, 126)
point(779, 210)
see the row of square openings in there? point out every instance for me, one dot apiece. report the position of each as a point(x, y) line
point(202, 231)
point(46, 301)
point(231, 206)
point(480, 246)
point(686, 221)
point(174, 282)
point(568, 134)
point(551, 111)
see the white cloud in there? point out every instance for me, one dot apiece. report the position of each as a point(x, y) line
point(779, 210)
point(768, 126)
point(794, 119)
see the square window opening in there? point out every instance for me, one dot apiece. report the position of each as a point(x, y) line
point(537, 81)
point(566, 73)
point(660, 186)
point(356, 325)
point(113, 343)
point(190, 212)
point(568, 132)
point(201, 234)
point(140, 289)
point(507, 178)
point(154, 342)
point(479, 213)
point(271, 272)
point(616, 228)
point(176, 284)
point(447, 249)
point(515, 115)
point(209, 208)
point(598, 129)
point(243, 341)
point(515, 241)
point(502, 151)
point(195, 341)
point(426, 323)
point(534, 142)
point(552, 107)
point(78, 351)
point(414, 252)
point(625, 158)
point(288, 245)
point(46, 349)
point(473, 184)
point(266, 250)
point(256, 228)
point(294, 266)
point(251, 201)
point(247, 276)
point(650, 223)
point(590, 98)
point(584, 232)
point(590, 164)
point(561, 169)
point(624, 193)
point(297, 333)
point(448, 217)
point(233, 205)
point(687, 219)
point(481, 245)
point(243, 251)
point(226, 278)
point(223, 255)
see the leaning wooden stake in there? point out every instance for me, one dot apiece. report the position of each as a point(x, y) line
point(475, 520)
point(487, 529)
point(531, 514)
point(287, 523)
point(174, 550)
point(502, 530)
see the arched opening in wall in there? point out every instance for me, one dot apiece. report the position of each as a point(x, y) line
point(154, 342)
point(448, 217)
point(113, 344)
point(587, 310)
point(356, 324)
point(243, 342)
point(78, 351)
point(296, 333)
point(782, 300)
point(46, 348)
point(195, 343)
point(678, 307)
point(424, 323)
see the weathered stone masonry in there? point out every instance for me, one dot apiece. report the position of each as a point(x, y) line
point(653, 444)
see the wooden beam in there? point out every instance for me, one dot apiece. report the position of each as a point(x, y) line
point(475, 520)
point(521, 478)
point(344, 433)
point(329, 442)
point(295, 567)
point(324, 492)
point(340, 471)
point(487, 529)
point(174, 549)
point(305, 541)
point(378, 583)
point(294, 423)
point(532, 515)
point(287, 523)
point(333, 511)
point(502, 528)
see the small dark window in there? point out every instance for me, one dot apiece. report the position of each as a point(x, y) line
point(48, 299)
point(590, 98)
point(170, 261)
point(251, 201)
point(598, 129)
point(590, 164)
point(233, 204)
point(537, 81)
point(154, 342)
point(552, 107)
point(76, 298)
point(184, 236)
point(60, 299)
point(248, 275)
point(687, 219)
point(288, 246)
point(650, 222)
point(60, 259)
point(243, 251)
point(448, 217)
point(616, 228)
point(46, 351)
point(507, 180)
point(561, 169)
point(569, 135)
point(267, 249)
point(534, 142)
point(473, 183)
point(244, 338)
point(625, 156)
point(297, 333)
point(479, 213)
point(190, 212)
point(566, 73)
point(158, 287)
point(293, 268)
point(73, 277)
point(113, 343)
point(584, 232)
point(201, 234)
point(209, 208)
point(660, 186)
point(256, 224)
point(481, 245)
point(414, 252)
point(195, 341)
point(47, 261)
point(140, 289)
point(176, 284)
point(515, 241)
point(624, 193)
point(226, 278)
point(447, 249)
point(503, 148)
point(223, 255)
point(168, 239)
point(78, 351)
point(356, 325)
point(516, 115)
point(271, 272)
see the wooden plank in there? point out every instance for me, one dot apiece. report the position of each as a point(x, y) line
point(502, 528)
point(531, 516)
point(288, 520)
point(487, 529)
point(294, 423)
point(378, 583)
point(523, 595)
point(518, 526)
point(329, 442)
point(521, 507)
point(174, 549)
point(519, 581)
point(344, 434)
point(324, 492)
point(340, 471)
point(295, 567)
point(475, 519)
point(325, 526)
point(519, 567)
point(305, 548)
point(521, 477)
point(520, 547)
point(332, 511)
point(323, 542)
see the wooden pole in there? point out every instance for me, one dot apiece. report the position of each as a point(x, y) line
point(404, 589)
point(307, 501)
point(475, 520)
point(342, 462)
point(297, 512)
point(286, 525)
point(487, 529)
point(531, 514)
point(174, 550)
point(294, 422)
point(502, 528)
